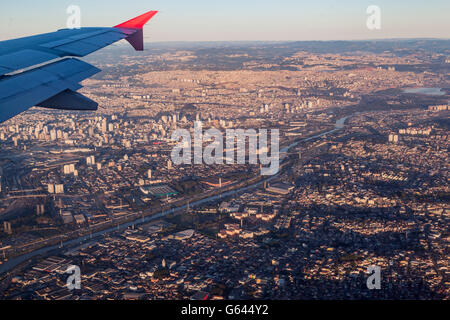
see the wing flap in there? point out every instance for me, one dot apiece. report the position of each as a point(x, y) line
point(68, 68)
point(69, 100)
point(23, 59)
point(25, 90)
point(19, 103)
point(27, 81)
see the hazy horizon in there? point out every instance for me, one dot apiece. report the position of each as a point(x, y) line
point(205, 21)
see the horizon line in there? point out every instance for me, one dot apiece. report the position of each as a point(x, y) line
point(149, 41)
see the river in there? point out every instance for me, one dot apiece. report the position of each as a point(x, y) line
point(425, 91)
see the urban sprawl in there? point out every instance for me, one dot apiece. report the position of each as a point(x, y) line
point(363, 179)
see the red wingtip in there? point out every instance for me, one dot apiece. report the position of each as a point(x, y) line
point(138, 22)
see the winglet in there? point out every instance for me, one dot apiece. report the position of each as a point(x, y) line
point(138, 22)
point(137, 38)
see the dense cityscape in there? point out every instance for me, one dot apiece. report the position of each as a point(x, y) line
point(363, 179)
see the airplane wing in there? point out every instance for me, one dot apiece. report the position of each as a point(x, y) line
point(41, 70)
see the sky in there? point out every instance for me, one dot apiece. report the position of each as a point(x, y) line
point(237, 20)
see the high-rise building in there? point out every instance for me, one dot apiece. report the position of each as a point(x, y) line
point(53, 135)
point(66, 169)
point(393, 138)
point(104, 126)
point(90, 161)
point(7, 227)
point(40, 209)
point(59, 188)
